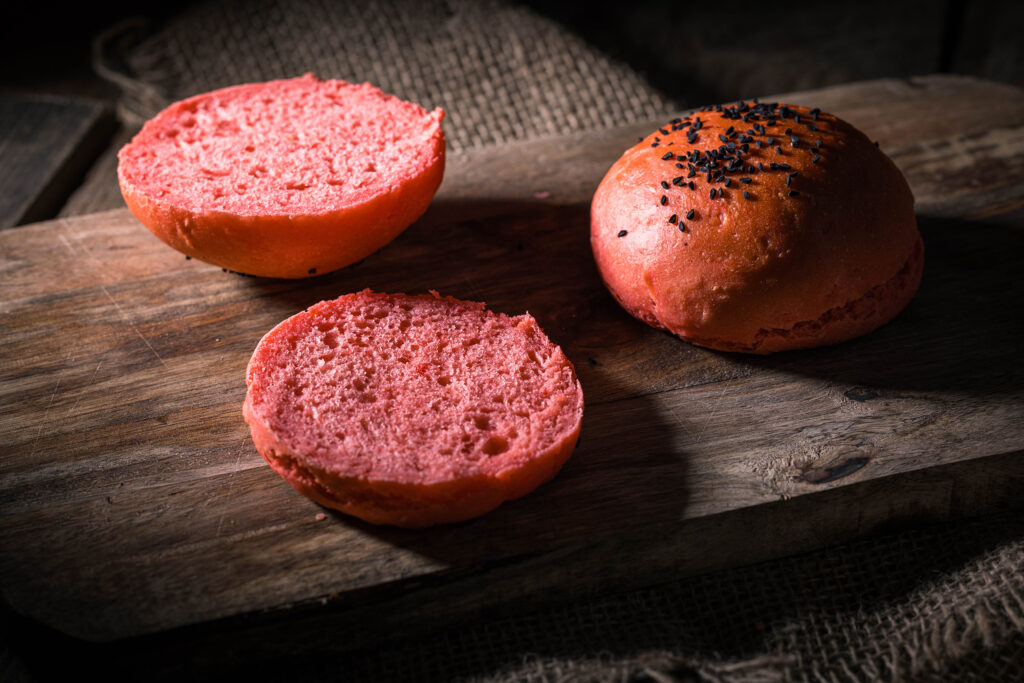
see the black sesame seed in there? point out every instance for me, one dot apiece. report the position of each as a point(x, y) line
point(785, 167)
point(713, 193)
point(727, 181)
point(678, 180)
point(664, 200)
point(691, 185)
point(811, 126)
point(673, 218)
point(779, 149)
point(760, 166)
point(818, 142)
point(663, 131)
point(816, 158)
point(788, 179)
point(664, 184)
point(312, 271)
point(746, 181)
point(666, 156)
point(793, 193)
point(623, 233)
point(723, 138)
point(750, 169)
point(771, 140)
point(794, 140)
point(689, 215)
point(789, 131)
point(746, 195)
point(682, 227)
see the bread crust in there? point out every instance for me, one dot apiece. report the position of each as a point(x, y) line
point(781, 268)
point(287, 243)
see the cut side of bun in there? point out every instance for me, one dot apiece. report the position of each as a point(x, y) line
point(286, 178)
point(411, 410)
point(758, 228)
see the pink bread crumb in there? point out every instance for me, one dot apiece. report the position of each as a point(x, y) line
point(412, 410)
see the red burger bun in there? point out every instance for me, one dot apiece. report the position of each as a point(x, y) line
point(286, 178)
point(758, 228)
point(411, 410)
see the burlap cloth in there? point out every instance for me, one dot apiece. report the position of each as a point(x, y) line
point(501, 72)
point(938, 603)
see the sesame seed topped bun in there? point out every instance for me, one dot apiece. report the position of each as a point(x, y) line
point(758, 228)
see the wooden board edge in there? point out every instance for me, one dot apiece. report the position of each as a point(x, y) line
point(668, 552)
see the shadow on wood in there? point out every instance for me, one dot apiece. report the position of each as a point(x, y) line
point(962, 332)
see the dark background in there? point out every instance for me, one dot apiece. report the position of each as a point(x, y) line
point(694, 52)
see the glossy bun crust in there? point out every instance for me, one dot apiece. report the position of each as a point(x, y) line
point(758, 228)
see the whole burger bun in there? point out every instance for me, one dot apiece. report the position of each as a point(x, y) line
point(758, 228)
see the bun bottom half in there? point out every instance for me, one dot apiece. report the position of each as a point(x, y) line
point(411, 411)
point(858, 317)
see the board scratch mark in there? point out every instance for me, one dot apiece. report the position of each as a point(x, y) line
point(91, 380)
point(67, 244)
point(135, 329)
point(711, 414)
point(233, 474)
point(49, 403)
point(103, 287)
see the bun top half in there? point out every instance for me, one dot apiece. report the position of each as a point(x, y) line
point(751, 217)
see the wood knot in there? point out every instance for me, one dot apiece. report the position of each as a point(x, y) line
point(861, 394)
point(827, 473)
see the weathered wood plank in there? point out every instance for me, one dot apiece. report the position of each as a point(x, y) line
point(46, 144)
point(129, 478)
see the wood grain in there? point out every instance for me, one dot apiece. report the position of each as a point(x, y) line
point(133, 502)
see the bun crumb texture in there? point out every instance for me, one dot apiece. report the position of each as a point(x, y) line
point(412, 410)
point(757, 227)
point(285, 177)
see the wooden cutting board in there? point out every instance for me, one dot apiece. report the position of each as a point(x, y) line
point(133, 502)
